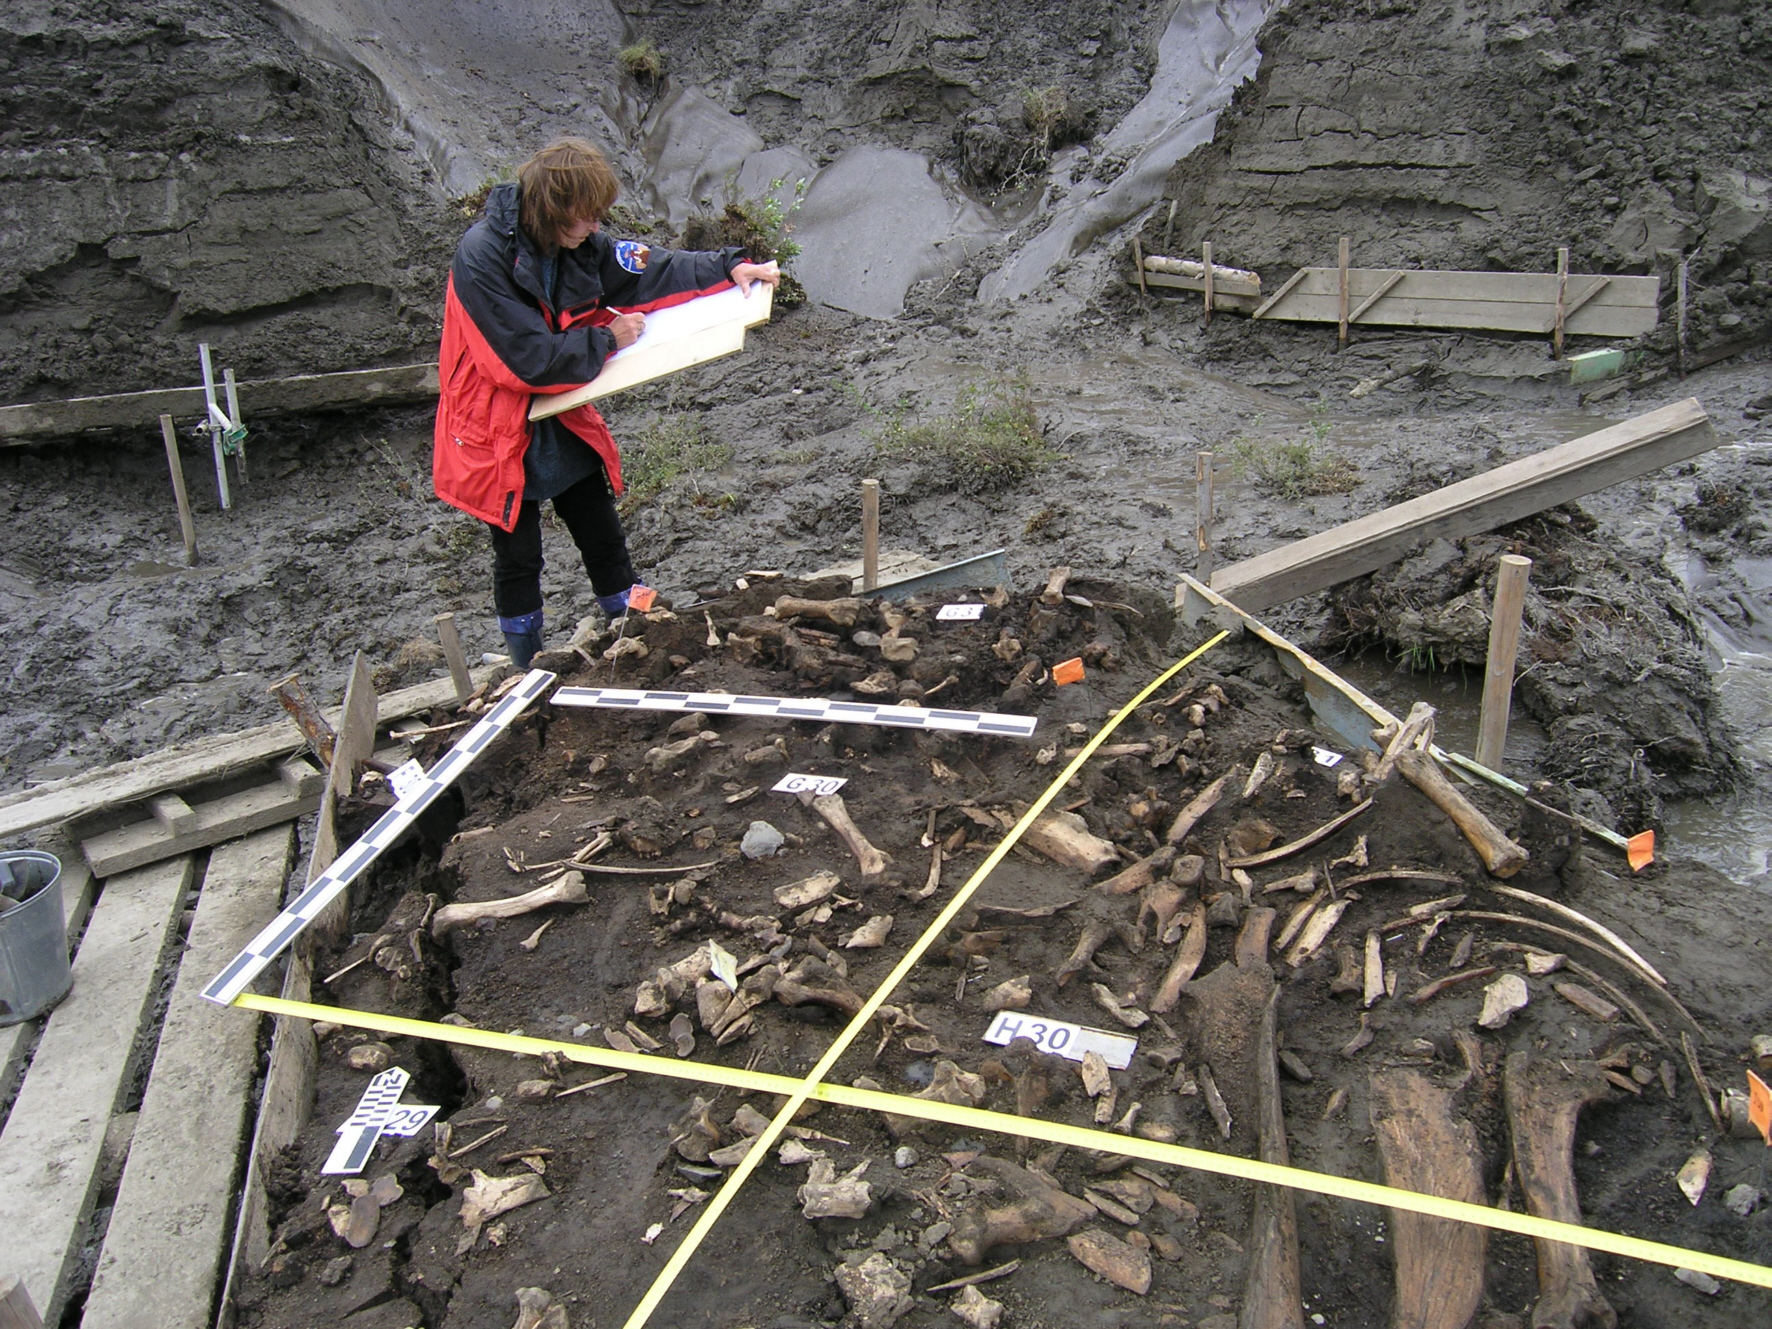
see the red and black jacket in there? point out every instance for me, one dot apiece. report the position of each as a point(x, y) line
point(503, 342)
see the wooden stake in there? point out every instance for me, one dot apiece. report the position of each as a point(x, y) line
point(1680, 324)
point(1504, 645)
point(452, 652)
point(17, 1311)
point(1206, 262)
point(321, 736)
point(870, 534)
point(1562, 301)
point(1341, 277)
point(1203, 529)
point(1138, 265)
point(186, 527)
point(1169, 226)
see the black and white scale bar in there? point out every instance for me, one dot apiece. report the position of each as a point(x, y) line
point(394, 823)
point(800, 708)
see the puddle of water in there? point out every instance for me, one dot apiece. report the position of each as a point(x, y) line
point(1206, 51)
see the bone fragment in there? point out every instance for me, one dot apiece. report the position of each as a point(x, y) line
point(1123, 1011)
point(1066, 840)
point(1501, 999)
point(817, 887)
point(1694, 1176)
point(830, 806)
point(1040, 1209)
point(1122, 1264)
point(1349, 976)
point(1258, 775)
point(1428, 991)
point(536, 1309)
point(1500, 855)
point(1304, 842)
point(1315, 932)
point(1201, 803)
point(569, 889)
point(1215, 1103)
point(1252, 938)
point(843, 612)
point(1137, 876)
point(1187, 960)
point(1372, 986)
point(1096, 930)
point(1589, 1003)
point(1162, 902)
point(1009, 995)
point(1094, 1070)
point(1300, 915)
point(1418, 726)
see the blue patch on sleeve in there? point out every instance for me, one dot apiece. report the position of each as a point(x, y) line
point(632, 255)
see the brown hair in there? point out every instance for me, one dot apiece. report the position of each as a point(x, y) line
point(565, 182)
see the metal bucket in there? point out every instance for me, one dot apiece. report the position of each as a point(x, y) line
point(34, 969)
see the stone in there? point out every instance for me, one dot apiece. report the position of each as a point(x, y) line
point(1501, 999)
point(878, 1292)
point(975, 1309)
point(371, 1057)
point(1742, 1200)
point(761, 841)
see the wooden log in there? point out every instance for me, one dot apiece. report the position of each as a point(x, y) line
point(1273, 1289)
point(1207, 274)
point(164, 1247)
point(264, 396)
point(1595, 461)
point(1544, 1098)
point(1222, 276)
point(1504, 645)
point(55, 1133)
point(1562, 310)
point(870, 535)
point(186, 527)
point(1500, 855)
point(1426, 1146)
point(201, 760)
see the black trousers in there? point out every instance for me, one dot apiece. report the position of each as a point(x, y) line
point(588, 510)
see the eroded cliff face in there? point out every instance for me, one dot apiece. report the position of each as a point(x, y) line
point(1462, 134)
point(179, 173)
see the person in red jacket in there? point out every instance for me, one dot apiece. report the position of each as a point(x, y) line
point(538, 298)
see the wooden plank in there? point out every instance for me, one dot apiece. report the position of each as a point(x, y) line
point(49, 1152)
point(191, 763)
point(164, 1246)
point(356, 741)
point(644, 363)
point(1620, 306)
point(16, 1040)
point(1532, 484)
point(173, 813)
point(1390, 285)
point(224, 818)
point(1221, 298)
point(258, 397)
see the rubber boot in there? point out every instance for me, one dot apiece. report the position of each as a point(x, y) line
point(614, 605)
point(522, 637)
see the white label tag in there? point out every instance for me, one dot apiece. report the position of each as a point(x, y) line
point(404, 778)
point(959, 613)
point(1324, 757)
point(1061, 1039)
point(817, 785)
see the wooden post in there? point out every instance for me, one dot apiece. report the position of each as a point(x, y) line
point(1341, 267)
point(17, 1311)
point(186, 526)
point(1206, 260)
point(1562, 301)
point(870, 534)
point(1203, 530)
point(1169, 226)
point(1504, 645)
point(452, 652)
point(1680, 324)
point(1138, 265)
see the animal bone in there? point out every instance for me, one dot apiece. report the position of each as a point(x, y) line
point(569, 889)
point(830, 807)
point(1187, 960)
point(1500, 855)
point(842, 612)
point(1544, 1097)
point(1041, 1209)
point(1138, 875)
point(1066, 840)
point(1201, 803)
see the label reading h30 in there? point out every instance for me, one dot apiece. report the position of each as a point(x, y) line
point(1062, 1039)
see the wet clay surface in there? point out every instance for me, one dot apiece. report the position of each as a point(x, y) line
point(617, 1159)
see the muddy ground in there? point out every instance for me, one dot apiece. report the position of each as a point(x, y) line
point(284, 182)
point(617, 1159)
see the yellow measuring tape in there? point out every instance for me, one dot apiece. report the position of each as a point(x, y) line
point(1002, 1123)
point(797, 1091)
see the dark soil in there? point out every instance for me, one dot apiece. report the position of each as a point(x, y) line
point(567, 775)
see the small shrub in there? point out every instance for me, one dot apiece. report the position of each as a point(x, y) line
point(643, 62)
point(1054, 117)
point(1293, 468)
point(990, 441)
point(672, 449)
point(762, 227)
